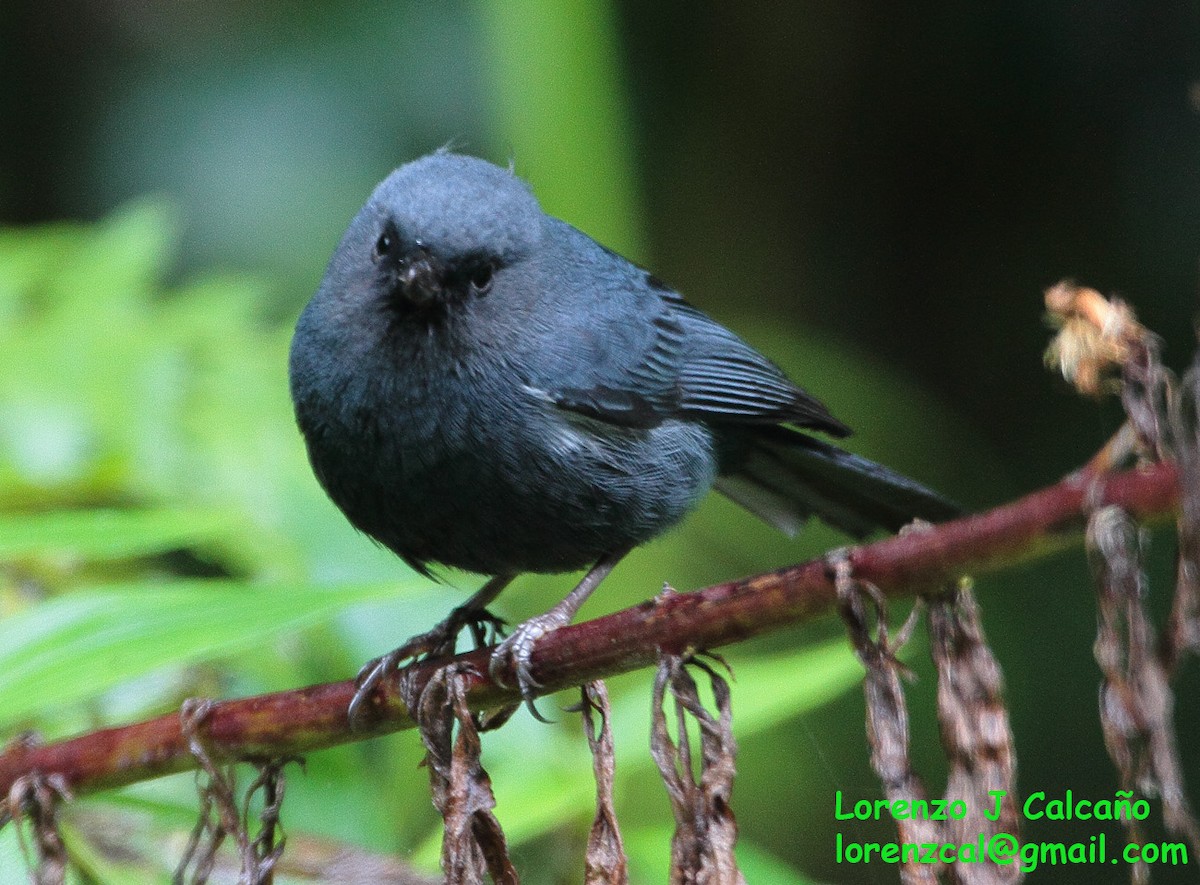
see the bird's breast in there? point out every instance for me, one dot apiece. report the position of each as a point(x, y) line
point(474, 467)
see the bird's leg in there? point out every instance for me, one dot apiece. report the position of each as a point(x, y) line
point(439, 641)
point(514, 653)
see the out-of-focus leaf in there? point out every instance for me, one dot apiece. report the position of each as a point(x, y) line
point(98, 867)
point(533, 806)
point(110, 534)
point(770, 690)
point(767, 691)
point(10, 856)
point(26, 255)
point(114, 390)
point(760, 866)
point(119, 259)
point(555, 74)
point(76, 646)
point(649, 850)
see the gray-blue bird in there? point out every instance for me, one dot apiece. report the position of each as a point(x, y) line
point(480, 385)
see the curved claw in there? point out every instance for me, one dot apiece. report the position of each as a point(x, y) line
point(369, 676)
point(436, 642)
point(515, 655)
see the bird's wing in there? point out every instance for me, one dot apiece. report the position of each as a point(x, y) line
point(724, 379)
point(666, 359)
point(633, 379)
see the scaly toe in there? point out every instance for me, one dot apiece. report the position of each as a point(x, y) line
point(514, 656)
point(368, 678)
point(376, 670)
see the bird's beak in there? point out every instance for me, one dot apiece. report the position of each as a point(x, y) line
point(421, 278)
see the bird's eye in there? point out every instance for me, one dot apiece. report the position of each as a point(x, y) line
point(481, 278)
point(383, 245)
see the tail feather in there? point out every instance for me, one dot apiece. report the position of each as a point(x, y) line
point(787, 477)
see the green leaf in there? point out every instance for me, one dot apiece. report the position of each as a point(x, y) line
point(111, 534)
point(768, 690)
point(119, 259)
point(76, 646)
point(649, 850)
point(771, 690)
point(555, 75)
point(760, 866)
point(99, 868)
point(27, 258)
point(10, 853)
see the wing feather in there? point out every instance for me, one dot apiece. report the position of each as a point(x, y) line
point(665, 359)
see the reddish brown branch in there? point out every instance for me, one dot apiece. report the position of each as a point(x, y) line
point(294, 722)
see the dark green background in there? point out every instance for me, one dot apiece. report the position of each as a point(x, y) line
point(874, 195)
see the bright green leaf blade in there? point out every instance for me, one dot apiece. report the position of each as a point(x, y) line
point(120, 259)
point(76, 646)
point(760, 866)
point(768, 690)
point(99, 868)
point(110, 534)
point(649, 851)
point(531, 808)
point(556, 79)
point(10, 855)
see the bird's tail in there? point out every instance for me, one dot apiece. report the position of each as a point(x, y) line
point(787, 477)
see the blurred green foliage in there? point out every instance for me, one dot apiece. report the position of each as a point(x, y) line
point(161, 536)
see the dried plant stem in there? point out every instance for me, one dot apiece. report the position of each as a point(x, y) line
point(294, 722)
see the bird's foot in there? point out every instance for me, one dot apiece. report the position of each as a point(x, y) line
point(439, 642)
point(514, 655)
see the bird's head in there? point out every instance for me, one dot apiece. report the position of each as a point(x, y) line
point(437, 232)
